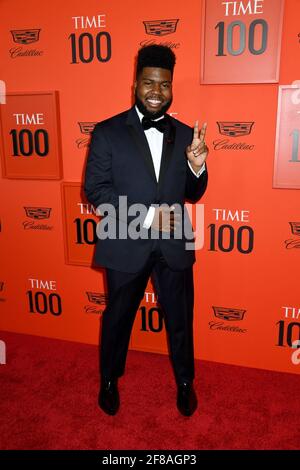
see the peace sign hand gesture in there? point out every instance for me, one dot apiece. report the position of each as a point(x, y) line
point(197, 152)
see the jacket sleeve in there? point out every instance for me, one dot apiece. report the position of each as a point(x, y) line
point(98, 181)
point(195, 186)
point(98, 185)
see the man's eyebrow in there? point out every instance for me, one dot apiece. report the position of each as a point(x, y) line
point(152, 80)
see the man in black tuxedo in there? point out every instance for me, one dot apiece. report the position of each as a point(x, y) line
point(142, 165)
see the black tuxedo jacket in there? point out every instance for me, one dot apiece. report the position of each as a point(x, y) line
point(120, 164)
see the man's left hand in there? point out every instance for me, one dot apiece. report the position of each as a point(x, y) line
point(197, 152)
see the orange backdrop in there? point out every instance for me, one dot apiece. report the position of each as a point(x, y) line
point(247, 309)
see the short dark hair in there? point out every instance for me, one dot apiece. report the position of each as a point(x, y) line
point(155, 56)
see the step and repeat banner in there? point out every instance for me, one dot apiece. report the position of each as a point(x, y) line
point(67, 66)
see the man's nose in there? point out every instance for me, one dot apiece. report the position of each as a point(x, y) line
point(156, 87)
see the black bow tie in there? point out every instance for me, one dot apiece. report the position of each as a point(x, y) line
point(160, 125)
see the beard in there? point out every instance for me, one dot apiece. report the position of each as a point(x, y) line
point(149, 114)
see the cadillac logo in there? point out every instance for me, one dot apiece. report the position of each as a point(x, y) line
point(293, 242)
point(38, 212)
point(160, 27)
point(235, 129)
point(25, 36)
point(229, 314)
point(97, 298)
point(86, 127)
point(295, 227)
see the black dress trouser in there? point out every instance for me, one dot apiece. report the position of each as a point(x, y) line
point(175, 293)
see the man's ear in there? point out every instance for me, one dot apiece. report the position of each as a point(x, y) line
point(134, 86)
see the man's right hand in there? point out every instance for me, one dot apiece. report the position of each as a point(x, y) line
point(165, 219)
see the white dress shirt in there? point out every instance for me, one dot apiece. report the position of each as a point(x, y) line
point(155, 141)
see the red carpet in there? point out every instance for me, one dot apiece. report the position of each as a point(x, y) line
point(48, 400)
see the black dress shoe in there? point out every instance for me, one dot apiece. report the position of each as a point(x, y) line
point(109, 400)
point(186, 399)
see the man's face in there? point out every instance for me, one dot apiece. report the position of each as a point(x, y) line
point(153, 91)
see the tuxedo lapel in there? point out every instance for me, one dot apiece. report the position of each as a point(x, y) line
point(167, 152)
point(138, 135)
